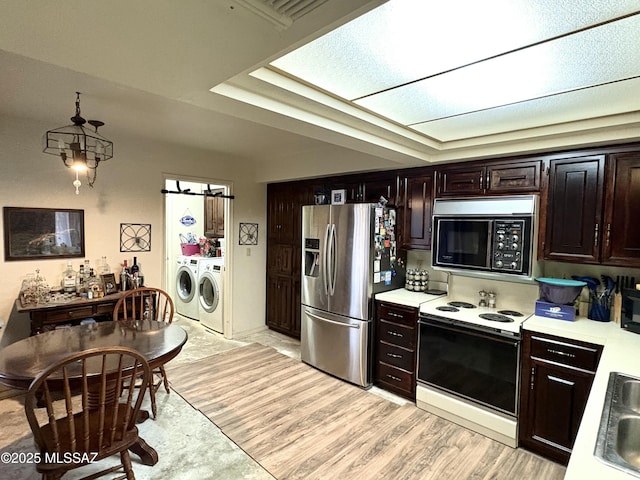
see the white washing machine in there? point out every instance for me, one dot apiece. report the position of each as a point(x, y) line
point(210, 292)
point(186, 294)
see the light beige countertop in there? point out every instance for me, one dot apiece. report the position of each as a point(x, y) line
point(405, 297)
point(621, 353)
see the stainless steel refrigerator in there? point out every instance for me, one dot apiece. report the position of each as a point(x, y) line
point(348, 254)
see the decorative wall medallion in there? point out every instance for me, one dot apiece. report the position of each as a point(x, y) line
point(187, 220)
point(248, 234)
point(135, 237)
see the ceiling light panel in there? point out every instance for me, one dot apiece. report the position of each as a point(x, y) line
point(587, 104)
point(406, 40)
point(604, 54)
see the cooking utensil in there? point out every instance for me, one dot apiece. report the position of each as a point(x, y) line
point(617, 302)
point(591, 282)
point(609, 284)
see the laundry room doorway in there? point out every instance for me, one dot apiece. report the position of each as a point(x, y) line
point(197, 212)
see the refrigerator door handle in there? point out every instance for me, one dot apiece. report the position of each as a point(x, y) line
point(348, 325)
point(332, 281)
point(325, 260)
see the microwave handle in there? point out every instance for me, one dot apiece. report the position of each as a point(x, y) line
point(490, 238)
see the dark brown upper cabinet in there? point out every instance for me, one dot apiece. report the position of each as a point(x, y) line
point(590, 210)
point(415, 212)
point(494, 178)
point(365, 188)
point(574, 209)
point(385, 185)
point(621, 242)
point(214, 216)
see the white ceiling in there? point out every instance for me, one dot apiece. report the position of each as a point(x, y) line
point(147, 67)
point(496, 61)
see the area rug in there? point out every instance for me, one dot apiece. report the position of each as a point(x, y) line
point(299, 423)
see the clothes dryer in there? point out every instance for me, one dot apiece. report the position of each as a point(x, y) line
point(186, 287)
point(210, 292)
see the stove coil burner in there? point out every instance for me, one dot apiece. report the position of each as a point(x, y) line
point(495, 317)
point(462, 304)
point(447, 308)
point(511, 313)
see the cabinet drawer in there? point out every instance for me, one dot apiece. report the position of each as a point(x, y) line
point(515, 177)
point(583, 355)
point(398, 314)
point(396, 356)
point(105, 309)
point(70, 314)
point(395, 376)
point(461, 182)
point(397, 334)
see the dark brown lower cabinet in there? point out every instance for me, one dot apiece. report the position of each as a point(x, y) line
point(279, 302)
point(396, 342)
point(556, 379)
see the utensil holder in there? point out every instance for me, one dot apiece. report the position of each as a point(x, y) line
point(600, 308)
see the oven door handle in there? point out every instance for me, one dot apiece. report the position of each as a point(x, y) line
point(454, 327)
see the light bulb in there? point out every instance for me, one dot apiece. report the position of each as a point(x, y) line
point(77, 183)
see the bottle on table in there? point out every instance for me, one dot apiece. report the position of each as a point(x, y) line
point(135, 268)
point(105, 266)
point(136, 274)
point(69, 279)
point(94, 286)
point(124, 276)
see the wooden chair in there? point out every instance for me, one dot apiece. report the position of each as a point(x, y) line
point(142, 305)
point(91, 410)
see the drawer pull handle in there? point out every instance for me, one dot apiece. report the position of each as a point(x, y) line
point(394, 377)
point(393, 355)
point(397, 315)
point(395, 334)
point(558, 352)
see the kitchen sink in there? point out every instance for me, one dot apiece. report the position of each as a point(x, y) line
point(618, 442)
point(631, 395)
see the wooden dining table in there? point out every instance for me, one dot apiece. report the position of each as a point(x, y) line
point(158, 342)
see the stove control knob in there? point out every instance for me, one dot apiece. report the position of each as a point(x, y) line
point(499, 263)
point(514, 246)
point(500, 237)
point(500, 246)
point(514, 265)
point(515, 238)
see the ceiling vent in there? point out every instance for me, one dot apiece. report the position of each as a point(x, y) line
point(282, 13)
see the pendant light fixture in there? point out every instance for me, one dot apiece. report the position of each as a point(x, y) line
point(79, 147)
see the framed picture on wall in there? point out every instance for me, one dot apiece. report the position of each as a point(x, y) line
point(41, 233)
point(135, 237)
point(338, 197)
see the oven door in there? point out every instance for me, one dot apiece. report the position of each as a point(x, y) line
point(462, 242)
point(480, 366)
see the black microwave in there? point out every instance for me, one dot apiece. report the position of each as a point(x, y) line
point(484, 234)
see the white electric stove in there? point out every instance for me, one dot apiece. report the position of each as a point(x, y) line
point(505, 320)
point(469, 364)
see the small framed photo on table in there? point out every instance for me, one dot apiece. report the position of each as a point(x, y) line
point(109, 282)
point(338, 197)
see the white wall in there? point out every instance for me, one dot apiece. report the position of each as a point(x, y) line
point(127, 190)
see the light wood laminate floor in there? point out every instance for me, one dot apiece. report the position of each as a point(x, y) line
point(190, 446)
